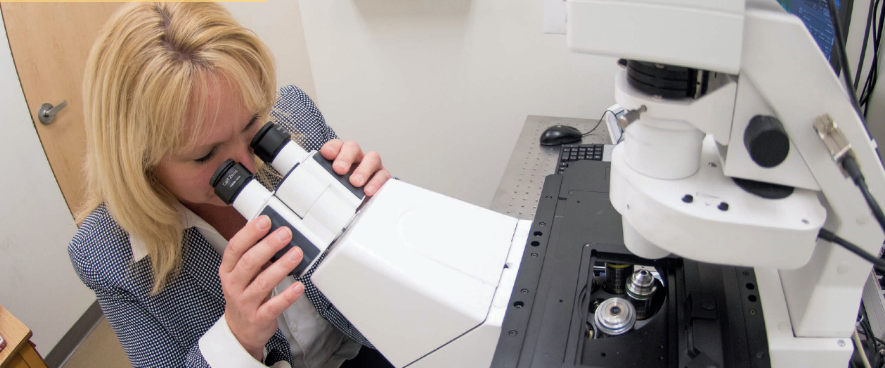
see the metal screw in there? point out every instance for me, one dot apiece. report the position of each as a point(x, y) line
point(723, 206)
point(753, 311)
point(688, 198)
point(512, 333)
point(841, 343)
point(524, 291)
point(713, 164)
point(534, 255)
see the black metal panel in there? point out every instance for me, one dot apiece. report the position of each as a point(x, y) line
point(515, 329)
point(707, 314)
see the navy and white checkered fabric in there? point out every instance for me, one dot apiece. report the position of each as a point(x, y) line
point(163, 330)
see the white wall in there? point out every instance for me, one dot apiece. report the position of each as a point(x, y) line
point(37, 282)
point(441, 88)
point(278, 24)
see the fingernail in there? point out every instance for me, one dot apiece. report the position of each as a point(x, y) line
point(284, 234)
point(295, 256)
point(298, 287)
point(358, 178)
point(370, 189)
point(263, 223)
point(341, 164)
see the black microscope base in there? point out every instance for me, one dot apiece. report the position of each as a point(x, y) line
point(708, 315)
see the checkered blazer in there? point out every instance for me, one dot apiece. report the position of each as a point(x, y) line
point(163, 330)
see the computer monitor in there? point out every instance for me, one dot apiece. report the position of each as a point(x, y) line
point(816, 16)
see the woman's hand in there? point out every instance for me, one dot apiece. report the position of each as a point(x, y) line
point(369, 171)
point(247, 281)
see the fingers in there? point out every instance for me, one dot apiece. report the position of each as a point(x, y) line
point(350, 153)
point(252, 261)
point(370, 163)
point(270, 277)
point(377, 181)
point(331, 148)
point(369, 173)
point(242, 241)
point(276, 305)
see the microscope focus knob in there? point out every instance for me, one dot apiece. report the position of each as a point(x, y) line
point(766, 141)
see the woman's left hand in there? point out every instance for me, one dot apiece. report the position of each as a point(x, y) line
point(369, 172)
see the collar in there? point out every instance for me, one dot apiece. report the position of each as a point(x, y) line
point(189, 219)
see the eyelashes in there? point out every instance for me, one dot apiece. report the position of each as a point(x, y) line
point(211, 153)
point(206, 158)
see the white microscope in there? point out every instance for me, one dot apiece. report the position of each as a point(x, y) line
point(766, 117)
point(736, 128)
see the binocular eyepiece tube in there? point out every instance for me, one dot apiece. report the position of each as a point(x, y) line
point(234, 184)
point(312, 200)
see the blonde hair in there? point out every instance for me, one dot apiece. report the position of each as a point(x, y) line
point(145, 78)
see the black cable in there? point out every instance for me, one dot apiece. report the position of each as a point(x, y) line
point(873, 75)
point(875, 340)
point(853, 169)
point(850, 163)
point(868, 335)
point(875, 260)
point(863, 331)
point(863, 47)
point(843, 58)
point(598, 122)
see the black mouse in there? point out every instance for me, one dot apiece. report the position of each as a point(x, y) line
point(560, 134)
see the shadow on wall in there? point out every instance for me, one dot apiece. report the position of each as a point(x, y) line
point(385, 12)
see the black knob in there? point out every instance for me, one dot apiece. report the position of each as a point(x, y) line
point(766, 141)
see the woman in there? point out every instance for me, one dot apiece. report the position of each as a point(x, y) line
point(170, 92)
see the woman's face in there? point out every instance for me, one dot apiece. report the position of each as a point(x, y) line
point(226, 131)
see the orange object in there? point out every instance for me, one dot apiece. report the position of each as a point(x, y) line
point(19, 352)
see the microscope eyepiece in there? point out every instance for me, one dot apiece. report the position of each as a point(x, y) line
point(268, 142)
point(230, 178)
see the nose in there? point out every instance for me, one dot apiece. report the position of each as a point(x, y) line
point(245, 154)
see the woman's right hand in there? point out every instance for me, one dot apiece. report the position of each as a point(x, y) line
point(250, 312)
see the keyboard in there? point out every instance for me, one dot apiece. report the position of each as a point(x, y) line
point(578, 152)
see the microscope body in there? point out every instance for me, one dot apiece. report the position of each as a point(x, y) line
point(680, 178)
point(429, 279)
point(426, 278)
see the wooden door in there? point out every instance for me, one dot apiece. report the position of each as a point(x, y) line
point(50, 43)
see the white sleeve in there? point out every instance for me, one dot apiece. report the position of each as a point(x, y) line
point(221, 349)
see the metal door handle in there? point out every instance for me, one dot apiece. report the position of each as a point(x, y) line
point(47, 111)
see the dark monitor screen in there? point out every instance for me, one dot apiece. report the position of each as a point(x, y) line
point(816, 16)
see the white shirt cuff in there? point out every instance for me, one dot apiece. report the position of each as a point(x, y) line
point(221, 349)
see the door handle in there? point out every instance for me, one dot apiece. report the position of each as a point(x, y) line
point(47, 111)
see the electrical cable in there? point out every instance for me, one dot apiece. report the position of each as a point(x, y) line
point(873, 74)
point(863, 47)
point(859, 348)
point(849, 163)
point(868, 335)
point(877, 262)
point(862, 323)
point(598, 122)
point(843, 59)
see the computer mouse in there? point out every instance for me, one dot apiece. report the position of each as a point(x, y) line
point(560, 134)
